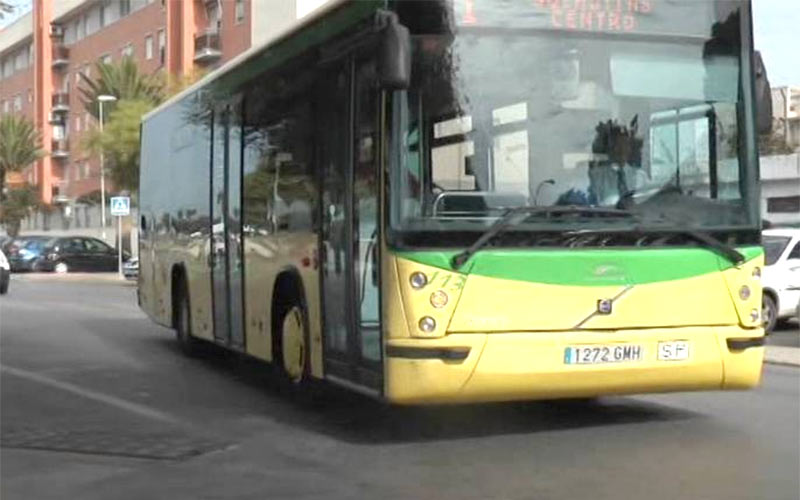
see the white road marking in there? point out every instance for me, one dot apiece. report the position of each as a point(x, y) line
point(114, 401)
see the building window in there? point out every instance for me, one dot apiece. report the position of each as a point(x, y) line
point(213, 17)
point(77, 124)
point(239, 11)
point(162, 46)
point(124, 7)
point(86, 170)
point(127, 51)
point(30, 96)
point(783, 205)
point(148, 47)
point(17, 102)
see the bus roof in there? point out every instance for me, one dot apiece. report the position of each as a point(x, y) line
point(251, 53)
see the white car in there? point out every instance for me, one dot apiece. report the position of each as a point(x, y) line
point(5, 273)
point(781, 276)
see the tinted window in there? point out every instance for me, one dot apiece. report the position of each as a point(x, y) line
point(773, 247)
point(97, 246)
point(278, 184)
point(71, 245)
point(795, 253)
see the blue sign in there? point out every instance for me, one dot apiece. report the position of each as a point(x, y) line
point(120, 205)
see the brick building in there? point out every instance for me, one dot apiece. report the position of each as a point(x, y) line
point(43, 53)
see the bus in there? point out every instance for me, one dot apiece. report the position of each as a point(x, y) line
point(452, 201)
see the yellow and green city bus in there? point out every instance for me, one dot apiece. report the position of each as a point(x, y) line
point(469, 200)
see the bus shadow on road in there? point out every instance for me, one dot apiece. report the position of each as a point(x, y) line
point(358, 419)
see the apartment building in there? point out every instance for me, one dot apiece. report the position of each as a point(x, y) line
point(43, 54)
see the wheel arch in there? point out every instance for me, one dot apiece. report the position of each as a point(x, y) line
point(288, 284)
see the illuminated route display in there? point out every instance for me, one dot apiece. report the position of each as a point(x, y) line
point(672, 17)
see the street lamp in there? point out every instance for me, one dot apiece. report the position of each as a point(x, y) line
point(100, 100)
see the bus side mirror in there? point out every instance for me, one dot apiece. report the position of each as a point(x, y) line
point(394, 53)
point(763, 96)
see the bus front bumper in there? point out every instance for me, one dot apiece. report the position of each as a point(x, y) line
point(478, 367)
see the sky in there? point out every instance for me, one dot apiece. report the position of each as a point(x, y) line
point(776, 25)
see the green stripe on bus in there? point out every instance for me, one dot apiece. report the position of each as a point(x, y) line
point(601, 267)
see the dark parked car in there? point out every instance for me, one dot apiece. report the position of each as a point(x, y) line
point(25, 252)
point(77, 253)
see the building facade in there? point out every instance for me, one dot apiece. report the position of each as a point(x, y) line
point(44, 53)
point(786, 115)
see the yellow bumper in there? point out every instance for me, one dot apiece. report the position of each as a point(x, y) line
point(474, 367)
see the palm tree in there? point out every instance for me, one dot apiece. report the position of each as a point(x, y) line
point(20, 145)
point(124, 81)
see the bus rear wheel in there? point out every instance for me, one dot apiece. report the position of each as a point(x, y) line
point(183, 326)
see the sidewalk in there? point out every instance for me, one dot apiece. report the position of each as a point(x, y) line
point(93, 278)
point(780, 355)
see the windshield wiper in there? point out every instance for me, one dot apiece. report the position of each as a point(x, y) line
point(712, 243)
point(516, 215)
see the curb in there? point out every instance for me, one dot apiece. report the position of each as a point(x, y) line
point(82, 278)
point(784, 356)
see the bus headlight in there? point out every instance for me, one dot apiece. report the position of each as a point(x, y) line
point(427, 324)
point(418, 280)
point(744, 292)
point(439, 299)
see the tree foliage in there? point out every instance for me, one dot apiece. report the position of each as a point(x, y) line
point(773, 143)
point(124, 81)
point(119, 141)
point(19, 203)
point(20, 145)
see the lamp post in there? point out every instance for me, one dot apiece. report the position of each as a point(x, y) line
point(100, 100)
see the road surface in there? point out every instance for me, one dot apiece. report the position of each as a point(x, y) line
point(97, 403)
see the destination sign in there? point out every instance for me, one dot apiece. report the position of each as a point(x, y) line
point(684, 17)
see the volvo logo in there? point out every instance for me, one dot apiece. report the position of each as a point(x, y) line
point(604, 306)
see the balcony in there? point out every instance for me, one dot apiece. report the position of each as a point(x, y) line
point(60, 56)
point(207, 47)
point(59, 148)
point(60, 102)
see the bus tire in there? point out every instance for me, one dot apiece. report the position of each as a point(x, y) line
point(187, 343)
point(769, 312)
point(291, 352)
point(291, 357)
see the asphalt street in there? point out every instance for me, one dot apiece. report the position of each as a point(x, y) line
point(97, 403)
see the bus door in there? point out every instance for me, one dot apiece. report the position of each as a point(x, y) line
point(348, 151)
point(225, 256)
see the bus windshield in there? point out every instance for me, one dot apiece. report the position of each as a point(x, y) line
point(532, 110)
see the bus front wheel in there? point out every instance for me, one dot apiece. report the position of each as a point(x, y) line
point(291, 346)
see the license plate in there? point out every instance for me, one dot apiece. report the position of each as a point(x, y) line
point(601, 354)
point(675, 350)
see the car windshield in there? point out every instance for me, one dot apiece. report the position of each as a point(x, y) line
point(512, 109)
point(36, 244)
point(774, 247)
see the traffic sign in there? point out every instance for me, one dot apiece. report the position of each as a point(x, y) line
point(120, 205)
